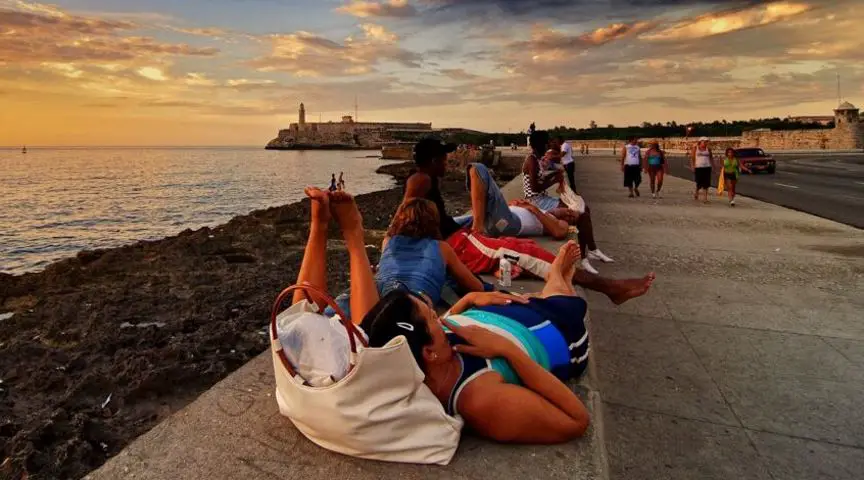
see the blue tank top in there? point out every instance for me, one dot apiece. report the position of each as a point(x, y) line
point(655, 159)
point(415, 263)
point(551, 331)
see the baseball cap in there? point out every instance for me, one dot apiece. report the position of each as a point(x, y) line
point(430, 147)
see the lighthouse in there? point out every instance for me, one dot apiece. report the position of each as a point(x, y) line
point(302, 115)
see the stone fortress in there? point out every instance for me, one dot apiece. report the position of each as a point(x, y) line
point(847, 134)
point(347, 134)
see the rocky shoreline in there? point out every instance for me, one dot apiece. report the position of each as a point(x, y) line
point(105, 345)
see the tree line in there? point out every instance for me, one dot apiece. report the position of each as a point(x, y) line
point(717, 128)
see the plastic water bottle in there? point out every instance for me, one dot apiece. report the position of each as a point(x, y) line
point(505, 272)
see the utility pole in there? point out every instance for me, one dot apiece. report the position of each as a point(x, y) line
point(839, 96)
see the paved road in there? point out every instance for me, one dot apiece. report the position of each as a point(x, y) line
point(828, 186)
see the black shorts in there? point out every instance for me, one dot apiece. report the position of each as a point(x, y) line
point(632, 175)
point(703, 177)
point(730, 177)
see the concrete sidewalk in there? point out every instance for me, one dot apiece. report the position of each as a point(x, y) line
point(743, 362)
point(746, 361)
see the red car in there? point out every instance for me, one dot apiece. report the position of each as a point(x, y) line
point(756, 160)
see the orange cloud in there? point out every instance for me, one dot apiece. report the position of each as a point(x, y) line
point(35, 33)
point(305, 54)
point(730, 21)
point(391, 8)
point(547, 44)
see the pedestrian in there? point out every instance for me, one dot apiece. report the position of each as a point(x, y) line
point(341, 183)
point(657, 167)
point(702, 162)
point(731, 171)
point(567, 161)
point(631, 165)
point(333, 186)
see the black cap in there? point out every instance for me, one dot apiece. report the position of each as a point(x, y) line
point(429, 148)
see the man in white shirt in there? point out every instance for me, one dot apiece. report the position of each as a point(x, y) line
point(567, 161)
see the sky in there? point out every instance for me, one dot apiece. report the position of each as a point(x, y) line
point(232, 72)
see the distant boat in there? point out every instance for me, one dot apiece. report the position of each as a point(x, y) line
point(24, 149)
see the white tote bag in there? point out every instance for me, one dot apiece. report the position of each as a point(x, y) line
point(572, 199)
point(380, 410)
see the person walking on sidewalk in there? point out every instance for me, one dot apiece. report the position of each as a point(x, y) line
point(702, 163)
point(731, 171)
point(656, 159)
point(567, 161)
point(631, 165)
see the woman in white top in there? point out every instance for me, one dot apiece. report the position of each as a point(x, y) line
point(702, 162)
point(567, 161)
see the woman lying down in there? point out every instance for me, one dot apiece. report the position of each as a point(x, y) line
point(497, 360)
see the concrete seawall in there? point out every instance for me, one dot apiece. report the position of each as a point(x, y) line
point(745, 361)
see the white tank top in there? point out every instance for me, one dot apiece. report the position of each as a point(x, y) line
point(531, 226)
point(633, 152)
point(703, 158)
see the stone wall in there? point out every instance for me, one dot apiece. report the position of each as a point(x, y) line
point(788, 140)
point(848, 138)
point(672, 143)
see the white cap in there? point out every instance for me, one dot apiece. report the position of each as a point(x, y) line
point(704, 139)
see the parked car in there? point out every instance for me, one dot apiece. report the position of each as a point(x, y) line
point(756, 160)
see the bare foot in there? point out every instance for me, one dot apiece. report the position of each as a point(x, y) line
point(565, 261)
point(630, 289)
point(320, 204)
point(344, 210)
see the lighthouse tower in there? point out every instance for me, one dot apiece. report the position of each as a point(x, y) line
point(848, 133)
point(302, 115)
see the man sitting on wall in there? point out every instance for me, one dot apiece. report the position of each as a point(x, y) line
point(481, 253)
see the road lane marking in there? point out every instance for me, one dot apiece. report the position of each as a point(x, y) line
point(791, 173)
point(784, 185)
point(860, 183)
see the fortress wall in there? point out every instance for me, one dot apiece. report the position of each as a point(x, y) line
point(849, 138)
point(371, 135)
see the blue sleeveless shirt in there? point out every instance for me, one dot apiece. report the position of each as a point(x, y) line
point(415, 263)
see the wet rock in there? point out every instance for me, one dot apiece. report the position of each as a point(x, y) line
point(192, 298)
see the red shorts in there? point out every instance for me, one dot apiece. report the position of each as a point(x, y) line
point(481, 254)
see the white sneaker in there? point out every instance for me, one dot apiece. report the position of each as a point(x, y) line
point(732, 203)
point(586, 265)
point(653, 195)
point(598, 255)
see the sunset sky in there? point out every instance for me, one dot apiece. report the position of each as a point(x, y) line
point(232, 72)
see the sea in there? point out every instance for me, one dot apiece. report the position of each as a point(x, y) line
point(55, 202)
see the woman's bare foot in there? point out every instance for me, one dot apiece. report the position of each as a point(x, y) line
point(344, 210)
point(320, 205)
point(566, 259)
point(559, 281)
point(629, 289)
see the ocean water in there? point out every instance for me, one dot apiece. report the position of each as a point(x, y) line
point(56, 202)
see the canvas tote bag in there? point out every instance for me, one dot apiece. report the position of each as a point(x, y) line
point(572, 199)
point(381, 410)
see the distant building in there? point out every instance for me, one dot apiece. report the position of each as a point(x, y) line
point(824, 120)
point(346, 134)
point(847, 134)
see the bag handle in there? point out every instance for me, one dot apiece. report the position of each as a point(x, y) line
point(314, 294)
